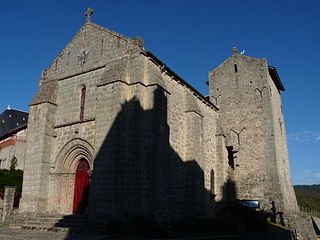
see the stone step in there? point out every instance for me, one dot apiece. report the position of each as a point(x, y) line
point(48, 218)
point(44, 228)
point(62, 223)
point(38, 227)
point(59, 229)
point(47, 221)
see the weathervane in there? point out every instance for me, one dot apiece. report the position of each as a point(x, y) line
point(88, 13)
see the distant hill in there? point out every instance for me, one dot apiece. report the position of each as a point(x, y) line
point(308, 197)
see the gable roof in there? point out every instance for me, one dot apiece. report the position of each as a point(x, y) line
point(180, 80)
point(11, 119)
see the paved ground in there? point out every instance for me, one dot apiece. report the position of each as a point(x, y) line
point(7, 233)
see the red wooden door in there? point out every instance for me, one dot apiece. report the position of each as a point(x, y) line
point(81, 187)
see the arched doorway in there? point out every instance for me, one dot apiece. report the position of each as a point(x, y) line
point(62, 196)
point(81, 187)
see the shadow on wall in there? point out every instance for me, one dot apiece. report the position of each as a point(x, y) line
point(140, 184)
point(229, 191)
point(137, 173)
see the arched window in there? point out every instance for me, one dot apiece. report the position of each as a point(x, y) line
point(82, 101)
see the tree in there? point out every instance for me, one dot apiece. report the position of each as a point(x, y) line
point(14, 163)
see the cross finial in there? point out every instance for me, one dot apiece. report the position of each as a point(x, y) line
point(88, 13)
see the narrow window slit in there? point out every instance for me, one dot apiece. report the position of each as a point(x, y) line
point(235, 68)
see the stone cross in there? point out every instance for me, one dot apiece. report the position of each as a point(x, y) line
point(83, 58)
point(234, 50)
point(88, 13)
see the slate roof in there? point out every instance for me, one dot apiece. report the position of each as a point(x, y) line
point(11, 119)
point(275, 77)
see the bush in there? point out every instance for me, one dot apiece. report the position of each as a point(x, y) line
point(11, 178)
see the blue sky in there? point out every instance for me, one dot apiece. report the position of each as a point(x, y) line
point(191, 37)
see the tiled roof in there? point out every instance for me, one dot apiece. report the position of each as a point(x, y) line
point(11, 119)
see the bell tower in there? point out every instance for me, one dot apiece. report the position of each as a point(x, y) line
point(248, 94)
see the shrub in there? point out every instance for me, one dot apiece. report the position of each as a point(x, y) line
point(11, 178)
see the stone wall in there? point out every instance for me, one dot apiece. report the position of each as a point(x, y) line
point(7, 203)
point(279, 146)
point(302, 225)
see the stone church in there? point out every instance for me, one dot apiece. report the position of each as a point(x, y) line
point(114, 132)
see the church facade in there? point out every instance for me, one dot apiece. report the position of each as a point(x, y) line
point(114, 132)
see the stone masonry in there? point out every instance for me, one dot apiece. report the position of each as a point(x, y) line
point(251, 111)
point(7, 203)
point(155, 146)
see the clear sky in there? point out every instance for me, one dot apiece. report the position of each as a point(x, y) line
point(191, 37)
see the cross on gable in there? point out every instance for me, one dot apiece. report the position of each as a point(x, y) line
point(89, 13)
point(83, 58)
